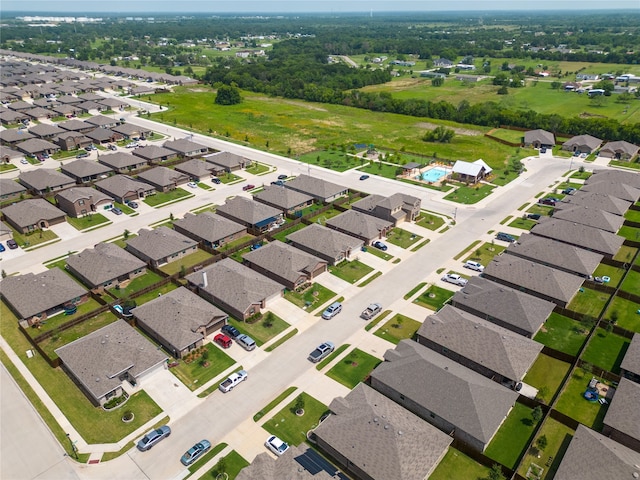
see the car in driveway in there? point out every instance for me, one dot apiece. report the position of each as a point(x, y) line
point(216, 180)
point(113, 147)
point(379, 245)
point(569, 191)
point(82, 155)
point(276, 445)
point(222, 340)
point(551, 201)
point(534, 216)
point(2, 249)
point(24, 161)
point(283, 176)
point(153, 437)
point(279, 183)
point(455, 279)
point(132, 145)
point(230, 331)
point(132, 204)
point(116, 210)
point(364, 177)
point(332, 310)
point(192, 185)
point(321, 352)
point(195, 452)
point(505, 237)
point(11, 243)
point(476, 266)
point(248, 187)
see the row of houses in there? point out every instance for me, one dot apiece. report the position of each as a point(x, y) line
point(618, 150)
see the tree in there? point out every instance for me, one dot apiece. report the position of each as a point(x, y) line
point(437, 82)
point(228, 95)
point(496, 472)
point(542, 442)
point(537, 414)
point(126, 234)
point(4, 274)
point(440, 134)
point(556, 85)
point(503, 90)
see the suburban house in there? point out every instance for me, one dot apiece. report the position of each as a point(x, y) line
point(196, 169)
point(396, 209)
point(288, 201)
point(211, 229)
point(155, 154)
point(330, 245)
point(582, 144)
point(297, 463)
point(105, 266)
point(622, 421)
point(470, 172)
point(46, 131)
point(613, 188)
point(35, 297)
point(163, 178)
point(590, 238)
point(451, 397)
point(360, 225)
point(237, 289)
point(32, 214)
point(257, 217)
point(590, 217)
point(227, 162)
point(37, 146)
point(539, 138)
point(84, 171)
point(372, 437)
point(592, 456)
point(122, 162)
point(10, 189)
point(73, 141)
point(161, 246)
point(13, 136)
point(319, 189)
point(186, 148)
point(484, 347)
point(510, 308)
point(113, 103)
point(103, 135)
point(7, 154)
point(597, 201)
point(75, 125)
point(619, 150)
point(551, 253)
point(285, 264)
point(80, 201)
point(101, 361)
point(179, 320)
point(127, 130)
point(443, 63)
point(630, 366)
point(45, 180)
point(625, 177)
point(123, 188)
point(100, 120)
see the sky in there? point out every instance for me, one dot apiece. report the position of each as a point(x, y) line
point(149, 7)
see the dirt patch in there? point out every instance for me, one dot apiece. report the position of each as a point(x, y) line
point(459, 131)
point(591, 115)
point(198, 90)
point(292, 102)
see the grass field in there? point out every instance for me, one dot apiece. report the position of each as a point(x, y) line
point(525, 224)
point(558, 438)
point(485, 253)
point(606, 350)
point(88, 221)
point(195, 374)
point(631, 282)
point(312, 298)
point(351, 271)
point(354, 368)
point(432, 222)
point(293, 428)
point(398, 328)
point(469, 195)
point(187, 261)
point(434, 297)
point(164, 197)
point(588, 302)
point(573, 404)
point(563, 334)
point(263, 330)
point(457, 466)
point(625, 312)
point(136, 284)
point(547, 375)
point(614, 273)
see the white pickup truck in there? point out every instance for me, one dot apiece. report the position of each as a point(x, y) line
point(233, 380)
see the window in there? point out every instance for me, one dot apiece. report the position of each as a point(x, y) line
point(80, 202)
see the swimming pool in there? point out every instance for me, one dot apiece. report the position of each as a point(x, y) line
point(434, 174)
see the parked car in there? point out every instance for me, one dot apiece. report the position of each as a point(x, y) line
point(505, 237)
point(192, 185)
point(371, 311)
point(24, 161)
point(231, 331)
point(233, 380)
point(276, 445)
point(248, 187)
point(379, 245)
point(548, 201)
point(216, 180)
point(569, 191)
point(279, 183)
point(332, 310)
point(364, 177)
point(82, 155)
point(246, 342)
point(111, 146)
point(543, 150)
point(2, 249)
point(534, 216)
point(132, 145)
point(222, 340)
point(283, 176)
point(11, 243)
point(132, 204)
point(117, 211)
point(195, 452)
point(455, 279)
point(153, 437)
point(321, 352)
point(478, 267)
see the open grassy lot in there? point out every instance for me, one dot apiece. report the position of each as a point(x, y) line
point(547, 375)
point(164, 197)
point(263, 330)
point(563, 334)
point(398, 328)
point(588, 302)
point(614, 273)
point(485, 253)
point(195, 374)
point(558, 438)
point(573, 404)
point(333, 159)
point(354, 368)
point(293, 428)
point(469, 195)
point(350, 271)
point(502, 177)
point(387, 170)
point(187, 261)
point(514, 136)
point(136, 284)
point(606, 350)
point(625, 313)
point(402, 238)
point(88, 221)
point(434, 297)
point(631, 282)
point(311, 298)
point(512, 437)
point(457, 466)
point(523, 223)
point(430, 221)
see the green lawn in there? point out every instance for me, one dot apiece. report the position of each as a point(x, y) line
point(606, 350)
point(322, 218)
point(52, 323)
point(631, 282)
point(398, 328)
point(625, 313)
point(282, 235)
point(633, 215)
point(631, 233)
point(163, 197)
point(228, 178)
point(457, 466)
point(257, 168)
point(136, 284)
point(27, 240)
point(195, 374)
point(264, 329)
point(547, 375)
point(513, 136)
point(427, 220)
point(588, 302)
point(239, 241)
point(563, 334)
point(311, 298)
point(558, 438)
point(485, 253)
point(350, 271)
point(434, 297)
point(126, 209)
point(469, 195)
point(502, 177)
point(274, 403)
point(626, 254)
point(187, 261)
point(543, 210)
point(88, 221)
point(293, 428)
point(510, 440)
point(144, 298)
point(383, 169)
point(612, 272)
point(233, 462)
point(573, 404)
point(333, 159)
point(402, 238)
point(523, 223)
point(581, 175)
point(379, 253)
point(354, 368)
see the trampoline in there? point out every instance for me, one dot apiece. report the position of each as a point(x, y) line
point(591, 396)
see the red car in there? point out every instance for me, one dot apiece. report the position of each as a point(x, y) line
point(248, 187)
point(222, 340)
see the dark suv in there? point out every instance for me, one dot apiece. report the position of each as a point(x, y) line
point(230, 330)
point(505, 237)
point(548, 201)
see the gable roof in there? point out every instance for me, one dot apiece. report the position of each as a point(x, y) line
point(626, 177)
point(620, 146)
point(120, 160)
point(359, 224)
point(392, 202)
point(226, 159)
point(209, 226)
point(249, 211)
point(282, 197)
point(122, 185)
point(30, 294)
point(380, 437)
point(584, 215)
point(284, 260)
point(580, 140)
point(623, 414)
point(162, 176)
point(31, 211)
point(153, 152)
point(9, 186)
point(542, 136)
point(160, 242)
point(316, 187)
point(471, 168)
point(471, 402)
point(78, 193)
point(104, 262)
point(498, 349)
point(85, 168)
point(325, 240)
point(613, 188)
point(182, 145)
point(583, 236)
point(631, 360)
point(42, 178)
point(556, 254)
point(599, 201)
point(35, 145)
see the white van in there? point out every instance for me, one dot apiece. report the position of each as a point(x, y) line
point(246, 342)
point(478, 267)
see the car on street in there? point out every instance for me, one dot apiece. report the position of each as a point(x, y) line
point(24, 161)
point(283, 176)
point(455, 279)
point(248, 187)
point(371, 311)
point(332, 310)
point(117, 211)
point(195, 452)
point(153, 437)
point(379, 245)
point(192, 185)
point(222, 340)
point(505, 237)
point(364, 177)
point(2, 249)
point(82, 155)
point(11, 243)
point(321, 352)
point(548, 201)
point(276, 445)
point(230, 331)
point(478, 267)
point(233, 380)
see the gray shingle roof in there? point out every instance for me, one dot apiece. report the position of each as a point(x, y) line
point(36, 145)
point(77, 193)
point(498, 349)
point(102, 134)
point(628, 178)
point(176, 316)
point(160, 242)
point(631, 360)
point(282, 197)
point(153, 152)
point(316, 187)
point(325, 241)
point(31, 211)
point(284, 260)
point(226, 159)
point(104, 262)
point(359, 224)
point(12, 135)
point(382, 438)
point(97, 359)
point(120, 160)
point(121, 185)
point(534, 277)
point(591, 217)
point(592, 456)
point(613, 188)
point(30, 294)
point(471, 402)
point(583, 236)
point(580, 140)
point(42, 178)
point(195, 167)
point(265, 467)
point(44, 129)
point(182, 145)
point(76, 125)
point(209, 226)
point(98, 120)
point(599, 201)
point(542, 136)
point(163, 176)
point(10, 153)
point(9, 187)
point(556, 254)
point(624, 412)
point(620, 146)
point(248, 211)
point(85, 168)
